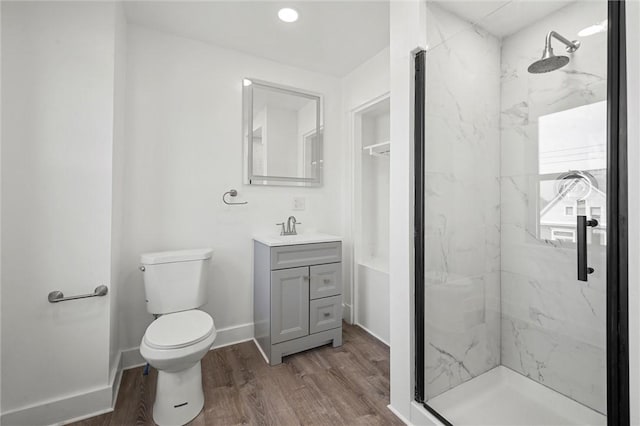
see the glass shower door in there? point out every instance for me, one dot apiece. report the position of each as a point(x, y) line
point(515, 213)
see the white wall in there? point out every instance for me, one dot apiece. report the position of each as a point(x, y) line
point(633, 88)
point(368, 81)
point(184, 150)
point(58, 81)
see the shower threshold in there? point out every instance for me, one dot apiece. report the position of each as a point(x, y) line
point(503, 397)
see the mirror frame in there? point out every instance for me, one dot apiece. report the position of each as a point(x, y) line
point(247, 131)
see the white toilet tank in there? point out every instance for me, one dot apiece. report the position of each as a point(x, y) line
point(175, 280)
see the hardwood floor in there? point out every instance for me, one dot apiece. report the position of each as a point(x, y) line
point(324, 386)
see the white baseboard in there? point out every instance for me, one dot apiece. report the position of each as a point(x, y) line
point(346, 313)
point(266, 359)
point(70, 409)
point(99, 401)
point(115, 379)
point(131, 358)
point(58, 411)
point(420, 416)
point(402, 418)
point(372, 333)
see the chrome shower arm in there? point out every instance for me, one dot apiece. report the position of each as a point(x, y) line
point(572, 46)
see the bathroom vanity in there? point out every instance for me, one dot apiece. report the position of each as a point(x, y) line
point(297, 301)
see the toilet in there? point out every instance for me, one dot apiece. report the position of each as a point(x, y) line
point(175, 284)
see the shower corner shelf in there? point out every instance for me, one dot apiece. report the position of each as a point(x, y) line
point(382, 149)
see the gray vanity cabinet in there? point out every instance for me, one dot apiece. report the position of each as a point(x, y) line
point(297, 297)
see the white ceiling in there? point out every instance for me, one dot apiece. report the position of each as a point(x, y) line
point(501, 17)
point(330, 36)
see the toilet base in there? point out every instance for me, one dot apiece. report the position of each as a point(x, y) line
point(179, 396)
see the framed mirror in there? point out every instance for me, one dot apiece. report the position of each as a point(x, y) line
point(282, 132)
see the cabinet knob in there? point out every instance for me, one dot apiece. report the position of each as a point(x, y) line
point(326, 314)
point(327, 281)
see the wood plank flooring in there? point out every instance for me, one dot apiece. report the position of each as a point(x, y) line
point(324, 386)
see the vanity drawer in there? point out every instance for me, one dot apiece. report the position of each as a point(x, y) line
point(305, 254)
point(325, 314)
point(325, 281)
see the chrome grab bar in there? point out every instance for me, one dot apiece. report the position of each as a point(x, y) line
point(57, 296)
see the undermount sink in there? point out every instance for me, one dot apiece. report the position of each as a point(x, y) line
point(283, 240)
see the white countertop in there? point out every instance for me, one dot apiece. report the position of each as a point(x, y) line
point(286, 240)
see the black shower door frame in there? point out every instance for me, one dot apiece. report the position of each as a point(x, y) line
point(617, 236)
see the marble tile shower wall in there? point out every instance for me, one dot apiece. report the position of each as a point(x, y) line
point(462, 259)
point(553, 326)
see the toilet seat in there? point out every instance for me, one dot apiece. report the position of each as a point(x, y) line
point(179, 330)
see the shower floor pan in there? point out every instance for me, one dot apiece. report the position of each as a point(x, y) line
point(504, 397)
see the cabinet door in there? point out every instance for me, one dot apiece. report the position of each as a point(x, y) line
point(326, 280)
point(289, 304)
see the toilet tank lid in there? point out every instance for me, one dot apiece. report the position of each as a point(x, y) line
point(175, 256)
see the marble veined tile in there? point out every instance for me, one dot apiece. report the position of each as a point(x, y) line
point(518, 200)
point(467, 151)
point(442, 25)
point(463, 79)
point(574, 91)
point(462, 331)
point(566, 307)
point(519, 150)
point(462, 225)
point(524, 253)
point(571, 367)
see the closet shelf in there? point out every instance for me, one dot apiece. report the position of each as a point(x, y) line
point(382, 149)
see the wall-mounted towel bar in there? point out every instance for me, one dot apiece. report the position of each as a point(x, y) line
point(57, 296)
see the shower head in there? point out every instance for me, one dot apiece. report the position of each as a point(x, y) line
point(549, 61)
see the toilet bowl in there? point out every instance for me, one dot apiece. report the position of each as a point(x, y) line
point(175, 286)
point(174, 344)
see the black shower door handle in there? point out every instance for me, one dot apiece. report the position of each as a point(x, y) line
point(583, 269)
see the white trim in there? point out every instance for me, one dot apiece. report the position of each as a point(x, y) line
point(372, 333)
point(346, 312)
point(233, 335)
point(86, 416)
point(420, 416)
point(58, 411)
point(402, 418)
point(116, 378)
point(131, 358)
point(266, 359)
point(98, 401)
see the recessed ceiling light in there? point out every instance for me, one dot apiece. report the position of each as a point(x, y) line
point(246, 82)
point(594, 29)
point(287, 14)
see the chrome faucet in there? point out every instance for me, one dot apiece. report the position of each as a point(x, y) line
point(291, 226)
